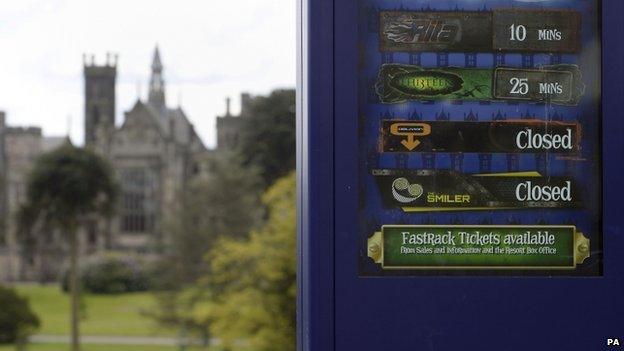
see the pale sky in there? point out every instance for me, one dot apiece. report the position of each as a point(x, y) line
point(210, 49)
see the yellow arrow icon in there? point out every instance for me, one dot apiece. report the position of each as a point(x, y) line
point(411, 130)
point(411, 143)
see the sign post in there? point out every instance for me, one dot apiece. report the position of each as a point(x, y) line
point(459, 167)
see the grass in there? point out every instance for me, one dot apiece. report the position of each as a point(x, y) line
point(121, 315)
point(62, 347)
point(106, 315)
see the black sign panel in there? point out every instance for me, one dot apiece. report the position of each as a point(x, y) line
point(537, 30)
point(440, 190)
point(553, 84)
point(521, 136)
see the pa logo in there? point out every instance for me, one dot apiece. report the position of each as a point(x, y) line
point(613, 342)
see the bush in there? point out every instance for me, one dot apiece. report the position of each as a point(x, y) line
point(17, 320)
point(112, 274)
point(253, 283)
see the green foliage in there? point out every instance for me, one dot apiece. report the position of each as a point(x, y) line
point(68, 183)
point(175, 311)
point(268, 136)
point(113, 273)
point(225, 203)
point(17, 320)
point(253, 281)
point(65, 186)
point(246, 287)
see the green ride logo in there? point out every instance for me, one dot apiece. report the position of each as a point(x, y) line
point(428, 83)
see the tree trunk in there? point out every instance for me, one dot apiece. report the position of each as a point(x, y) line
point(74, 289)
point(20, 343)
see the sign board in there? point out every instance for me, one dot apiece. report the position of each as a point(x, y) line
point(459, 164)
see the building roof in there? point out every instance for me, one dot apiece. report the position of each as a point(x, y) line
point(172, 123)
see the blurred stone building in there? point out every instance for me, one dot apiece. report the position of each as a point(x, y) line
point(154, 151)
point(19, 148)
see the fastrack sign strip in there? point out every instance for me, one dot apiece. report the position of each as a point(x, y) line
point(478, 247)
point(509, 136)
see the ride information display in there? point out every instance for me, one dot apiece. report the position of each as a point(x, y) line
point(500, 29)
point(479, 138)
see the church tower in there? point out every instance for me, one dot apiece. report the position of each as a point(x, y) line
point(156, 96)
point(99, 100)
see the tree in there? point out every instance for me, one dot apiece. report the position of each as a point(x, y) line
point(66, 186)
point(268, 136)
point(253, 282)
point(17, 320)
point(224, 203)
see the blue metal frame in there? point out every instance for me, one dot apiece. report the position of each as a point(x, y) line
point(340, 311)
point(315, 175)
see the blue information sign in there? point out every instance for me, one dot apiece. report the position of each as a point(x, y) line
point(458, 175)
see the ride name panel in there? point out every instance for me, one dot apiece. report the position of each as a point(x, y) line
point(556, 84)
point(507, 247)
point(556, 31)
point(446, 190)
point(509, 136)
point(435, 31)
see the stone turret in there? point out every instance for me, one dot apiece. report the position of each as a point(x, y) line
point(100, 85)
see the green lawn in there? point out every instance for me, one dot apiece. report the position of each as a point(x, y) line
point(61, 347)
point(105, 314)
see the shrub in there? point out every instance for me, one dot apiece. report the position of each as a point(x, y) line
point(113, 274)
point(17, 320)
point(253, 283)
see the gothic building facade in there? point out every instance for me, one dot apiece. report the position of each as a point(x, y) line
point(155, 152)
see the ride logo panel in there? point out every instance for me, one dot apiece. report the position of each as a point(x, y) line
point(479, 138)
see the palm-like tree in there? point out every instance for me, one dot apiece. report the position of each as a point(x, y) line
point(65, 186)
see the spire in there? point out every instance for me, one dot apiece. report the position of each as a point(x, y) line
point(156, 62)
point(138, 90)
point(157, 84)
point(227, 107)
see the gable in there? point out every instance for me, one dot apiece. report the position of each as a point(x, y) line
point(141, 133)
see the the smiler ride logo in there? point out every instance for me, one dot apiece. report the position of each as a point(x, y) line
point(404, 192)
